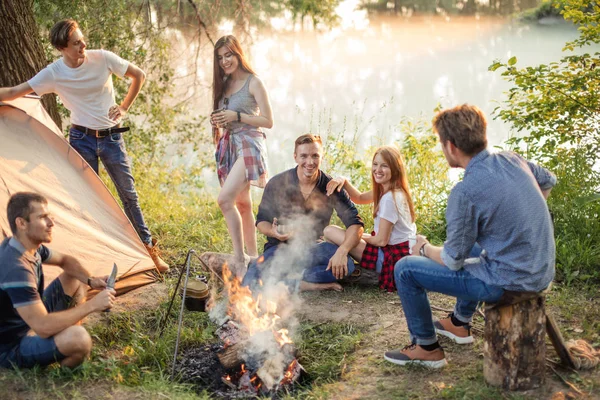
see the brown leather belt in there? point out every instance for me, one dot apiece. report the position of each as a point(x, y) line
point(100, 133)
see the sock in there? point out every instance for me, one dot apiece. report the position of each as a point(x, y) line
point(430, 347)
point(457, 322)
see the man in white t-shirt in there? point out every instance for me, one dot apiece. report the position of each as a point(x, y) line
point(83, 81)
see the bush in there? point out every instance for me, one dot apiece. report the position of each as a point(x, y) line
point(557, 104)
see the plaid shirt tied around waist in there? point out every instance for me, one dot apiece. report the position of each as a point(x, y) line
point(392, 253)
point(249, 143)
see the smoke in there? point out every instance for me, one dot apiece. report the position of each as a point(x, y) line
point(278, 294)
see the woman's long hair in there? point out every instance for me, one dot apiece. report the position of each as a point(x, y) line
point(219, 78)
point(399, 181)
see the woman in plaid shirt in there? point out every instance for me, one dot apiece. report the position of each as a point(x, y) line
point(393, 214)
point(241, 108)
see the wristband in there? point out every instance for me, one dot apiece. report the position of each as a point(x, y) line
point(239, 116)
point(422, 251)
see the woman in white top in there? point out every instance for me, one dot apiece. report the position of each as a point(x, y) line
point(393, 214)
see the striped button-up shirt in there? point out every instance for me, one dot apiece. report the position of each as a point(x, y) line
point(21, 284)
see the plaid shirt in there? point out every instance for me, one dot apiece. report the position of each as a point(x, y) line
point(392, 253)
point(249, 143)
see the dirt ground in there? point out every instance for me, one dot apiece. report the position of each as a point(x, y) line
point(369, 376)
point(366, 374)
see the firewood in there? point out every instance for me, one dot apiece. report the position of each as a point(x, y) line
point(230, 357)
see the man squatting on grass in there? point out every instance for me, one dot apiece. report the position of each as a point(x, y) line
point(37, 326)
point(83, 81)
point(499, 238)
point(302, 192)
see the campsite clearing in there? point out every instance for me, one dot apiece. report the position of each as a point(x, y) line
point(343, 338)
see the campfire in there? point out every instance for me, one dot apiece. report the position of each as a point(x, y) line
point(257, 352)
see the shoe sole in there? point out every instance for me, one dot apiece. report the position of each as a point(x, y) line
point(429, 364)
point(457, 339)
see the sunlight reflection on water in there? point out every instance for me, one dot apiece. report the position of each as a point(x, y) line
point(363, 75)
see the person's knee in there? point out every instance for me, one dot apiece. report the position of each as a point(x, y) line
point(74, 341)
point(244, 206)
point(225, 202)
point(329, 232)
point(401, 269)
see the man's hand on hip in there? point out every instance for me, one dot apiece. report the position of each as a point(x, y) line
point(338, 264)
point(116, 112)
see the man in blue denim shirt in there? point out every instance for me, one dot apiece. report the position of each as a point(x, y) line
point(499, 237)
point(83, 80)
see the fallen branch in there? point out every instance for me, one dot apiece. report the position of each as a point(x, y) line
point(440, 309)
point(566, 382)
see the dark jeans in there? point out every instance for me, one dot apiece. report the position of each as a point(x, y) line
point(30, 351)
point(111, 150)
point(415, 276)
point(314, 266)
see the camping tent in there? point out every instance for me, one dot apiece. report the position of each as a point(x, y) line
point(89, 223)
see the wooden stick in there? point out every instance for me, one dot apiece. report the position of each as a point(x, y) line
point(440, 309)
point(558, 342)
point(209, 267)
point(566, 382)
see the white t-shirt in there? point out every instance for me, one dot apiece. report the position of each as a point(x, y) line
point(397, 213)
point(87, 91)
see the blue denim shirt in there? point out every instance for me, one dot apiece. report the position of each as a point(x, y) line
point(499, 205)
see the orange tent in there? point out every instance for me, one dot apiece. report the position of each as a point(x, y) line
point(90, 224)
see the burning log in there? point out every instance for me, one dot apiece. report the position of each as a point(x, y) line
point(230, 356)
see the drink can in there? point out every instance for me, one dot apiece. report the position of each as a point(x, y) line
point(412, 240)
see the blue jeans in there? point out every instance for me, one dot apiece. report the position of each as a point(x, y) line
point(415, 276)
point(111, 150)
point(314, 266)
point(30, 351)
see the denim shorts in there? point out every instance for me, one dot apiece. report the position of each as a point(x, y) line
point(34, 350)
point(379, 262)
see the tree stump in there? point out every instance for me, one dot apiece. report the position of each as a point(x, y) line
point(515, 347)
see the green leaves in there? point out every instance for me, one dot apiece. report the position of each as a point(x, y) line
point(556, 106)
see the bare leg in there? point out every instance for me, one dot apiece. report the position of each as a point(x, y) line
point(336, 235)
point(233, 186)
point(73, 288)
point(75, 343)
point(310, 286)
point(244, 206)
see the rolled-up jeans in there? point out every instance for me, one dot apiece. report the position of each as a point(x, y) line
point(314, 266)
point(415, 276)
point(111, 150)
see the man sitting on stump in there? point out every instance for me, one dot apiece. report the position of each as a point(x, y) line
point(37, 326)
point(499, 238)
point(297, 198)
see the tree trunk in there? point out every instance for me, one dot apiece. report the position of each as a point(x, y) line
point(21, 52)
point(515, 348)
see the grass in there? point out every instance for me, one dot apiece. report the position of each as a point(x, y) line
point(130, 360)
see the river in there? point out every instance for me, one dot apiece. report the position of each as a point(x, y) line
point(362, 76)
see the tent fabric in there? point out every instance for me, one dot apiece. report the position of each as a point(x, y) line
point(89, 223)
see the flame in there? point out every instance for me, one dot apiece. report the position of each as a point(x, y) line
point(282, 337)
point(255, 315)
